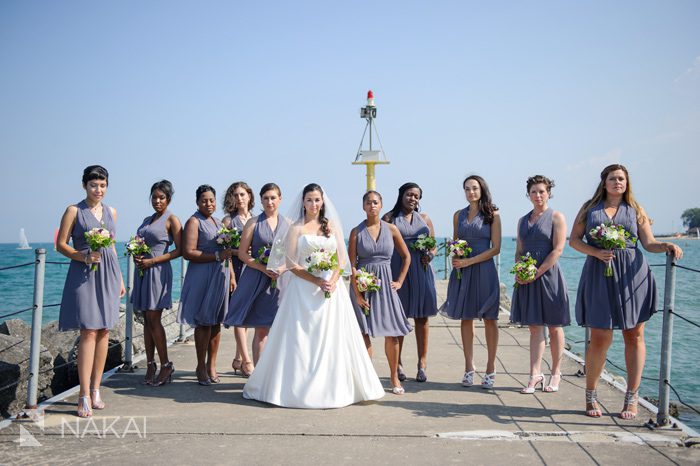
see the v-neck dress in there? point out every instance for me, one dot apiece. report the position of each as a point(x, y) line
point(544, 301)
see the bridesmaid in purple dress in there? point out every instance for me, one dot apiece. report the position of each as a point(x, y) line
point(624, 301)
point(255, 302)
point(238, 204)
point(418, 296)
point(544, 300)
point(476, 294)
point(371, 246)
point(207, 282)
point(154, 285)
point(91, 298)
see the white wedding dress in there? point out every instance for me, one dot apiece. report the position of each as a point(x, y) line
point(315, 356)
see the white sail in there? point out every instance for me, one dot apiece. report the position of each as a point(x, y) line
point(23, 242)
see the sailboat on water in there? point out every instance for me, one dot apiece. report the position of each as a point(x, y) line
point(23, 242)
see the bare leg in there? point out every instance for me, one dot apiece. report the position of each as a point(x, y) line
point(259, 341)
point(98, 366)
point(635, 355)
point(202, 335)
point(491, 331)
point(400, 349)
point(391, 348)
point(595, 362)
point(148, 336)
point(241, 334)
point(86, 359)
point(536, 352)
point(556, 343)
point(467, 328)
point(368, 344)
point(158, 337)
point(421, 330)
point(213, 351)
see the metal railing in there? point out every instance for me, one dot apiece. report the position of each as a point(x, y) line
point(37, 315)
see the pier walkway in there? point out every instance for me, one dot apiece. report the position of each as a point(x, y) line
point(437, 422)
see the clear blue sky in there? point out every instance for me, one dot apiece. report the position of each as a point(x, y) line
point(213, 92)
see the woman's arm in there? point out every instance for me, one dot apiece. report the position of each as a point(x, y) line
point(426, 258)
point(400, 247)
point(493, 251)
point(651, 244)
point(576, 241)
point(518, 243)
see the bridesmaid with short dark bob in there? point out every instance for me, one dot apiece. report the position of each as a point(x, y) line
point(473, 290)
point(617, 288)
point(94, 284)
point(207, 283)
point(153, 286)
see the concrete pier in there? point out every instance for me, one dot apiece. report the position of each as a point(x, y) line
point(437, 422)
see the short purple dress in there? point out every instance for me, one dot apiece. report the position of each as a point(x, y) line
point(254, 303)
point(91, 298)
point(418, 295)
point(153, 290)
point(204, 292)
point(626, 299)
point(476, 294)
point(546, 300)
point(386, 317)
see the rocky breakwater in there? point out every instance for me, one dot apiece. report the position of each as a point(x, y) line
point(58, 353)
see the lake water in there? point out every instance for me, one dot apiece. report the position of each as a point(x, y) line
point(16, 288)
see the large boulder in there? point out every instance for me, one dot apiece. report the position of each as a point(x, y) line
point(16, 328)
point(505, 297)
point(14, 374)
point(63, 346)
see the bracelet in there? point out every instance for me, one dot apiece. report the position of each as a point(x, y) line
point(216, 256)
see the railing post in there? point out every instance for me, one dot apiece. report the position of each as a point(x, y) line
point(129, 318)
point(34, 352)
point(181, 337)
point(663, 417)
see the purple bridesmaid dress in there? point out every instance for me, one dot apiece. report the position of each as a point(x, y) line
point(91, 298)
point(386, 317)
point(546, 300)
point(476, 295)
point(153, 290)
point(626, 299)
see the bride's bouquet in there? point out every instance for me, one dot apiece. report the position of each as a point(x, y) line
point(228, 238)
point(424, 243)
point(137, 247)
point(367, 282)
point(525, 268)
point(610, 236)
point(322, 260)
point(459, 249)
point(263, 256)
point(98, 238)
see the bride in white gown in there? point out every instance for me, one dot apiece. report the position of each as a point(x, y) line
point(315, 356)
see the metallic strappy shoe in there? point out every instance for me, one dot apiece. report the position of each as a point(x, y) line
point(592, 401)
point(631, 399)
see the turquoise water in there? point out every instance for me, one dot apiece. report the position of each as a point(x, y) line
point(16, 288)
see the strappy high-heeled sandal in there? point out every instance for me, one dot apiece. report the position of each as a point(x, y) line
point(398, 390)
point(488, 381)
point(84, 409)
point(151, 369)
point(535, 380)
point(592, 401)
point(468, 379)
point(631, 399)
point(245, 372)
point(236, 365)
point(163, 379)
point(551, 387)
point(97, 402)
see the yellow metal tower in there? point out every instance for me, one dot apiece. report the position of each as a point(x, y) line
point(370, 157)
